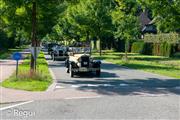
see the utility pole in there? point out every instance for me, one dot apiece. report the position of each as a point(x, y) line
point(33, 39)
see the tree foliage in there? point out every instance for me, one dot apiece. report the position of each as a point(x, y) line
point(86, 20)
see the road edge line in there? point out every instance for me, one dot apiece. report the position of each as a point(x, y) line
point(86, 97)
point(53, 85)
point(23, 103)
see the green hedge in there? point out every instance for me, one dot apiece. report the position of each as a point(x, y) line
point(162, 37)
point(163, 49)
point(137, 47)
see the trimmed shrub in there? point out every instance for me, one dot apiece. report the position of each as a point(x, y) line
point(137, 47)
point(162, 37)
point(148, 49)
point(97, 44)
point(164, 44)
point(177, 55)
point(163, 49)
point(92, 45)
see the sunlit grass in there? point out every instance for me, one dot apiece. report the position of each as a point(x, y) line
point(155, 64)
point(39, 81)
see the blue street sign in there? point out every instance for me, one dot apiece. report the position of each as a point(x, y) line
point(17, 56)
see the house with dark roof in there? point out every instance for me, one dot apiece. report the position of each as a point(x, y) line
point(147, 25)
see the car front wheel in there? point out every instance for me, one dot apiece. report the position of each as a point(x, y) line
point(71, 72)
point(53, 57)
point(98, 73)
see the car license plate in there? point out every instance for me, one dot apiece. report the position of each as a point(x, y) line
point(85, 63)
point(84, 69)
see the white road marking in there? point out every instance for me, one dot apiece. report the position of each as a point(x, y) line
point(59, 87)
point(75, 86)
point(53, 85)
point(122, 84)
point(92, 85)
point(23, 103)
point(86, 97)
point(107, 85)
point(178, 87)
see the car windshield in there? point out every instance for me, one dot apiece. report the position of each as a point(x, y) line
point(80, 50)
point(60, 48)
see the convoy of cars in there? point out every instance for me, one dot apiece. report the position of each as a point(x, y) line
point(77, 59)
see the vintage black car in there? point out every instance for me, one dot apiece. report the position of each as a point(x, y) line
point(59, 53)
point(80, 61)
point(50, 46)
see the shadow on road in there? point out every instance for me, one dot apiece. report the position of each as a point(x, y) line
point(93, 75)
point(128, 87)
point(110, 66)
point(57, 65)
point(111, 84)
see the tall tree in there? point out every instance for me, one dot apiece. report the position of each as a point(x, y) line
point(93, 18)
point(126, 21)
point(36, 17)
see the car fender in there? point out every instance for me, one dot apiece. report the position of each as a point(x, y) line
point(73, 64)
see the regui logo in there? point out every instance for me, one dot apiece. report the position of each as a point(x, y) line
point(21, 113)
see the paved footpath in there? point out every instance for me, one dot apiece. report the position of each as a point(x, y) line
point(8, 66)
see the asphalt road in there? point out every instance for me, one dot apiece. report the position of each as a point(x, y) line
point(112, 107)
point(121, 93)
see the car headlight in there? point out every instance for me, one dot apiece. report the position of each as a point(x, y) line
point(79, 60)
point(91, 59)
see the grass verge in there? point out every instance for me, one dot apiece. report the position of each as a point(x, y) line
point(155, 64)
point(38, 82)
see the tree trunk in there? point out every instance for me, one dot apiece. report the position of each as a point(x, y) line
point(100, 47)
point(126, 50)
point(33, 39)
point(89, 41)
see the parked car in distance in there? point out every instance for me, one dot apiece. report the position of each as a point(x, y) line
point(50, 46)
point(59, 53)
point(80, 61)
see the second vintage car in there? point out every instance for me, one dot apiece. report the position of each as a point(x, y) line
point(80, 61)
point(59, 52)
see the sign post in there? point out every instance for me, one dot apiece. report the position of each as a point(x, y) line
point(17, 56)
point(35, 52)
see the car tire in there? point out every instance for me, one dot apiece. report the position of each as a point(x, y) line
point(68, 69)
point(71, 72)
point(98, 73)
point(54, 58)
